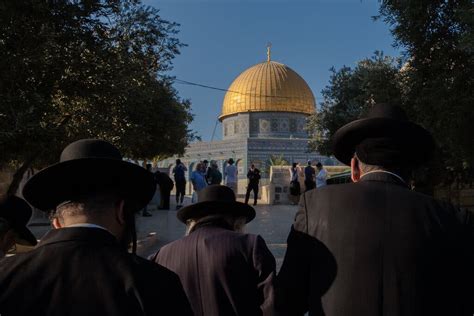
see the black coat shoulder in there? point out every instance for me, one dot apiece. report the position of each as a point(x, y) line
point(83, 271)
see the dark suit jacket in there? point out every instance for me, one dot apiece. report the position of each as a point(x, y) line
point(223, 272)
point(164, 181)
point(83, 271)
point(395, 252)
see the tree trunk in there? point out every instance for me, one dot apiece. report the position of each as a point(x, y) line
point(19, 173)
point(18, 176)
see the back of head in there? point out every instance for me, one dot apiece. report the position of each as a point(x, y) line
point(383, 154)
point(95, 207)
point(228, 221)
point(384, 140)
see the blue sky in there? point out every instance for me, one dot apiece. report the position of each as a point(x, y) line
point(225, 37)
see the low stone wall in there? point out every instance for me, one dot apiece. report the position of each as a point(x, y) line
point(278, 191)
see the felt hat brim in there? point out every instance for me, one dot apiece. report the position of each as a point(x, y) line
point(67, 180)
point(418, 142)
point(201, 209)
point(24, 236)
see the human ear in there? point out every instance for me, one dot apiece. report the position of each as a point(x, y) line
point(57, 223)
point(120, 213)
point(355, 171)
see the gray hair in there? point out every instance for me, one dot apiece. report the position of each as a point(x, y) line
point(365, 168)
point(92, 206)
point(237, 223)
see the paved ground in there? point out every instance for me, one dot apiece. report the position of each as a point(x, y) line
point(272, 222)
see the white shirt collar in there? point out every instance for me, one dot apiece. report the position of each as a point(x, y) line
point(88, 225)
point(384, 171)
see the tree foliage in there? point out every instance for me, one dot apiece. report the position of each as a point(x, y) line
point(434, 85)
point(87, 69)
point(277, 160)
point(438, 38)
point(349, 95)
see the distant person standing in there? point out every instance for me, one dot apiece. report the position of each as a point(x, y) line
point(180, 181)
point(205, 168)
point(145, 212)
point(198, 180)
point(309, 174)
point(295, 189)
point(231, 175)
point(254, 178)
point(322, 176)
point(214, 176)
point(166, 185)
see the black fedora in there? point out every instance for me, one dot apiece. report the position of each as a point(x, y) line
point(17, 213)
point(216, 199)
point(89, 166)
point(384, 122)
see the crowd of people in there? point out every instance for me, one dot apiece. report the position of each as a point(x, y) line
point(206, 173)
point(371, 247)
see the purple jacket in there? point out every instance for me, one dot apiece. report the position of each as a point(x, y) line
point(223, 272)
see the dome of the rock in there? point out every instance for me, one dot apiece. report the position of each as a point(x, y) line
point(268, 87)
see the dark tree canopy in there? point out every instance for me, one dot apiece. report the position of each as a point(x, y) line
point(434, 83)
point(438, 38)
point(88, 69)
point(349, 95)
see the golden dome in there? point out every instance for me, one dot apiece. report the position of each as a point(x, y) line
point(268, 86)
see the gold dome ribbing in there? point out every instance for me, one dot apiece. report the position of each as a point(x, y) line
point(269, 86)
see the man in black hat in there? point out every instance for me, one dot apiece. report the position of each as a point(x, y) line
point(374, 247)
point(223, 271)
point(254, 178)
point(82, 267)
point(14, 215)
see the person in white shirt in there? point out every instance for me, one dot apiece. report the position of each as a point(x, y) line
point(322, 175)
point(231, 175)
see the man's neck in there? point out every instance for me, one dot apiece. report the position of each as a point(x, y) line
point(384, 171)
point(88, 225)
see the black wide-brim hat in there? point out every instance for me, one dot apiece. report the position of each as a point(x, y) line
point(385, 121)
point(17, 213)
point(216, 199)
point(86, 167)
